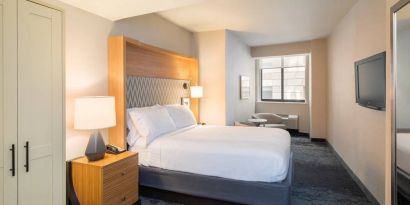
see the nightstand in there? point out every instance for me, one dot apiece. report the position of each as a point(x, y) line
point(112, 180)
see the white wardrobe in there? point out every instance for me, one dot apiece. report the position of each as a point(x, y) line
point(31, 104)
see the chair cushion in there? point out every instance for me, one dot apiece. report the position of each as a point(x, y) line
point(244, 124)
point(270, 117)
point(282, 126)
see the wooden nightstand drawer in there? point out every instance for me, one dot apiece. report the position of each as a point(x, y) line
point(120, 176)
point(112, 180)
point(124, 193)
point(121, 181)
point(121, 169)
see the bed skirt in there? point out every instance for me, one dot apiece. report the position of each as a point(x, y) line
point(237, 191)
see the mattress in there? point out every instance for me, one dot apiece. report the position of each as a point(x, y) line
point(240, 153)
point(403, 151)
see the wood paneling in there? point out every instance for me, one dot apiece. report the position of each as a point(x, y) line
point(143, 62)
point(131, 57)
point(116, 88)
point(108, 159)
point(194, 77)
point(112, 180)
point(87, 183)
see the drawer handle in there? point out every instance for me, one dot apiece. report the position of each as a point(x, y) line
point(122, 173)
point(124, 198)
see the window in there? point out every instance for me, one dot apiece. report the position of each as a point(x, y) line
point(283, 78)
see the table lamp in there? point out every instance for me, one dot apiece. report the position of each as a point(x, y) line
point(94, 113)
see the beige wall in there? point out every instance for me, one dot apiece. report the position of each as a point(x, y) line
point(312, 115)
point(223, 58)
point(211, 54)
point(85, 64)
point(281, 49)
point(355, 132)
point(318, 89)
point(157, 31)
point(238, 62)
point(86, 56)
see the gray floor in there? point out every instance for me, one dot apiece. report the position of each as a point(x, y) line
point(319, 177)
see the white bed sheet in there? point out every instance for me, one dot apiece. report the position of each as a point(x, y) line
point(241, 153)
point(403, 151)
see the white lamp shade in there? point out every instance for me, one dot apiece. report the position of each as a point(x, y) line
point(196, 92)
point(95, 112)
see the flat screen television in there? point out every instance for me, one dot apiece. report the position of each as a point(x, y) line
point(371, 81)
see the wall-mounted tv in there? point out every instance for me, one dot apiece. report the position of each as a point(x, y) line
point(371, 81)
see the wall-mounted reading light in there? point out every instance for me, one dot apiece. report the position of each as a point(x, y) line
point(196, 92)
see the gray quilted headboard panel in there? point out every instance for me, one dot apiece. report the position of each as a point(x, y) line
point(144, 91)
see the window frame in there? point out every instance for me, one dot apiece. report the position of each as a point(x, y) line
point(282, 68)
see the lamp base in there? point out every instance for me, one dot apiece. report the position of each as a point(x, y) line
point(95, 147)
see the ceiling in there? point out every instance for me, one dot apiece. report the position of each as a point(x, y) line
point(119, 9)
point(256, 22)
point(263, 22)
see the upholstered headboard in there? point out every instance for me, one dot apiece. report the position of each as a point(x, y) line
point(143, 75)
point(146, 91)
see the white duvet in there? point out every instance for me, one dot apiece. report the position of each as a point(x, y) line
point(403, 151)
point(241, 153)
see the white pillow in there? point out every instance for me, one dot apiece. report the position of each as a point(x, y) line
point(133, 134)
point(152, 123)
point(181, 115)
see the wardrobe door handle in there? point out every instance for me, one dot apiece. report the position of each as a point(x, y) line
point(13, 160)
point(27, 156)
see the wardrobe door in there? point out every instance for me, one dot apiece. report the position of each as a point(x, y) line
point(40, 105)
point(8, 101)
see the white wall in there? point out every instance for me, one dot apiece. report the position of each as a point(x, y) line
point(211, 55)
point(357, 133)
point(86, 67)
point(238, 62)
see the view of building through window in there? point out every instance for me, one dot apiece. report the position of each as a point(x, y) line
point(283, 78)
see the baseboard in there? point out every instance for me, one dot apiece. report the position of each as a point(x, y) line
point(318, 140)
point(368, 194)
point(293, 131)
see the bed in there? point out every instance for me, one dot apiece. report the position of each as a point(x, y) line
point(246, 165)
point(403, 164)
point(240, 165)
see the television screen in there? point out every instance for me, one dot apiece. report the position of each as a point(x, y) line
point(371, 81)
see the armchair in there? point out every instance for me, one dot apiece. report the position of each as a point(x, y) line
point(273, 120)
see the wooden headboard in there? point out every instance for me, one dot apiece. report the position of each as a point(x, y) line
point(129, 57)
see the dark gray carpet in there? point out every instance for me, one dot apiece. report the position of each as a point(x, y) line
point(319, 178)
